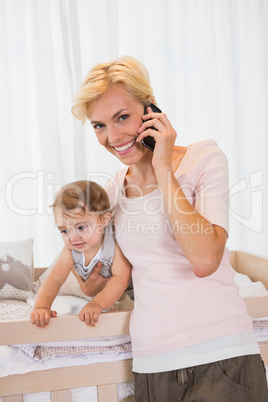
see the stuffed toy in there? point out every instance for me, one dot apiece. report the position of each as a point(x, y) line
point(14, 273)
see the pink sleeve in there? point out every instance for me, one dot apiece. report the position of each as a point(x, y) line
point(212, 190)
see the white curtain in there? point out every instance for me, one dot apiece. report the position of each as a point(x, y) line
point(208, 62)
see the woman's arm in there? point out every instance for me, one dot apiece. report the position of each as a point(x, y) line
point(202, 242)
point(115, 287)
point(42, 307)
point(95, 282)
point(205, 245)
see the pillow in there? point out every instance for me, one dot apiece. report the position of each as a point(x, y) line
point(16, 269)
point(69, 288)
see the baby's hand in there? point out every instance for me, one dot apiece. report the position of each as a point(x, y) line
point(90, 313)
point(41, 316)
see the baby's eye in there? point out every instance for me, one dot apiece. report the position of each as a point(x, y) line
point(64, 231)
point(81, 228)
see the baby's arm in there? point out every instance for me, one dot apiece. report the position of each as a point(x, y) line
point(115, 287)
point(41, 313)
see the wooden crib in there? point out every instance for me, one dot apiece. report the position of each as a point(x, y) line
point(105, 376)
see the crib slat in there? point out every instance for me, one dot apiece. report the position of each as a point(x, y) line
point(107, 393)
point(264, 351)
point(13, 398)
point(257, 306)
point(63, 395)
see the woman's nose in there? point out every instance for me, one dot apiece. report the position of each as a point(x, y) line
point(114, 135)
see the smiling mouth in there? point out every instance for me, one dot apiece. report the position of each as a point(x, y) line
point(125, 147)
point(79, 245)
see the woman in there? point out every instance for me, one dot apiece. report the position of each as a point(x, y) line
point(191, 335)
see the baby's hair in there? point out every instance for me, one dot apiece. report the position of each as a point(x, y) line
point(84, 195)
point(126, 71)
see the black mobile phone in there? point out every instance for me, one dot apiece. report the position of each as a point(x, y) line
point(149, 142)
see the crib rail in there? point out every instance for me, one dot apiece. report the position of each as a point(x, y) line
point(64, 328)
point(104, 375)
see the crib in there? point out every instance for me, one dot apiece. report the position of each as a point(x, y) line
point(106, 376)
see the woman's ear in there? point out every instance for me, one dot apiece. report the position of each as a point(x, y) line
point(105, 218)
point(153, 100)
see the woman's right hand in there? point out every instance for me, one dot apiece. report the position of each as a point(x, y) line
point(95, 282)
point(41, 316)
point(164, 136)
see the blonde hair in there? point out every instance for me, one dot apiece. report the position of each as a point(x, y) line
point(125, 70)
point(87, 196)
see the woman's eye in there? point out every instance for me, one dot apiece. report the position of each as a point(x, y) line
point(123, 117)
point(98, 126)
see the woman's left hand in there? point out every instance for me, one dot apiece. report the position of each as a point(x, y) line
point(95, 282)
point(165, 137)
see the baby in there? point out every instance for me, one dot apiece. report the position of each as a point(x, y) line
point(83, 216)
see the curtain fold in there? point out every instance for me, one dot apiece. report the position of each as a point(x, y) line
point(208, 61)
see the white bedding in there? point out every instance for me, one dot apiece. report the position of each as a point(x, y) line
point(247, 288)
point(260, 329)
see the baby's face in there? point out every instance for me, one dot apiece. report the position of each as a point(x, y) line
point(80, 231)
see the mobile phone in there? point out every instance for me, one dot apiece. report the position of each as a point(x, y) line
point(149, 142)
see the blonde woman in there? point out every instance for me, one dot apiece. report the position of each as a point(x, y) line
point(191, 334)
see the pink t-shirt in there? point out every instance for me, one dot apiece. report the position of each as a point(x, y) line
point(173, 307)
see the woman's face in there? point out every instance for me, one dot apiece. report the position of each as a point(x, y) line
point(116, 118)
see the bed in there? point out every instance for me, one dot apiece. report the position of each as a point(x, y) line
point(60, 381)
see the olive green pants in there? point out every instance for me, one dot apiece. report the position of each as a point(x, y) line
point(240, 379)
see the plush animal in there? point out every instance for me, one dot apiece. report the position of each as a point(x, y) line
point(15, 273)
